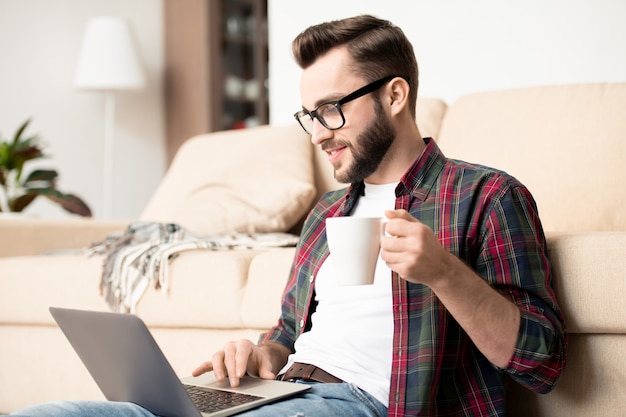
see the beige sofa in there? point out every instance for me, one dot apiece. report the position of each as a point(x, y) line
point(566, 143)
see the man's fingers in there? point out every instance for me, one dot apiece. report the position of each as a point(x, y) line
point(242, 357)
point(237, 355)
point(396, 224)
point(230, 364)
point(217, 363)
point(265, 370)
point(399, 214)
point(203, 368)
point(233, 362)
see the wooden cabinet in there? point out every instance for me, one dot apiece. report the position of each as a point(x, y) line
point(215, 67)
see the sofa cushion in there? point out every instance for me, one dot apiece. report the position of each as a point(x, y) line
point(565, 143)
point(206, 291)
point(31, 284)
point(589, 280)
point(253, 180)
point(592, 383)
point(267, 277)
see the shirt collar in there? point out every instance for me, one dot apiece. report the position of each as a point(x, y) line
point(422, 175)
point(417, 181)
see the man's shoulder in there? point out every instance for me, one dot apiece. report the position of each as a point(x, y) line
point(330, 202)
point(326, 206)
point(478, 173)
point(334, 196)
point(485, 183)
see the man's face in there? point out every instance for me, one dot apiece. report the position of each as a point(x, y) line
point(369, 148)
point(357, 149)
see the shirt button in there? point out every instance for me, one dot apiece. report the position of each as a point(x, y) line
point(302, 323)
point(311, 278)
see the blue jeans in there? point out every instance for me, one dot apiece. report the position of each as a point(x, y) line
point(322, 400)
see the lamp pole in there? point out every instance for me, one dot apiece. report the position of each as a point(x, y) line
point(108, 63)
point(108, 152)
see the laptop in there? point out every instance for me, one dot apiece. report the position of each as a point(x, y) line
point(127, 364)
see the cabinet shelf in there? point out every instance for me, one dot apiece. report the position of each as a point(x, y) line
point(216, 54)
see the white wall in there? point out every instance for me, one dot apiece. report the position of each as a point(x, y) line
point(39, 45)
point(466, 46)
point(462, 46)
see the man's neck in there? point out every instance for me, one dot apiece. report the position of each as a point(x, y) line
point(407, 147)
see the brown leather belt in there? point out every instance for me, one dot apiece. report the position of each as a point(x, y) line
point(309, 373)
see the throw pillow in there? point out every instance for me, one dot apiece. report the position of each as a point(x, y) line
point(256, 180)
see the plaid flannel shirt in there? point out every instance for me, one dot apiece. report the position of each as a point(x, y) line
point(489, 220)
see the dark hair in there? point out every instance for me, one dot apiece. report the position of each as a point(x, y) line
point(377, 47)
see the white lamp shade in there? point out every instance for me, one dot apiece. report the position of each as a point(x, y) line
point(108, 60)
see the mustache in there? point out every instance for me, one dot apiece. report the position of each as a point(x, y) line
point(333, 143)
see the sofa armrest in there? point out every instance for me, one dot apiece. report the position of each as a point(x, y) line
point(589, 280)
point(31, 236)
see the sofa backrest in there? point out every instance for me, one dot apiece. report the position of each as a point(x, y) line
point(566, 143)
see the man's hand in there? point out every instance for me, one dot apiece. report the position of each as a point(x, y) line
point(414, 252)
point(243, 356)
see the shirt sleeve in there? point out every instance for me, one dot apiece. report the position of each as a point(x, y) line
point(514, 260)
point(284, 332)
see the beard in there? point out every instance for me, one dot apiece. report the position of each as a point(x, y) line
point(370, 147)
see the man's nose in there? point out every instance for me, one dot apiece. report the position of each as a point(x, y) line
point(319, 133)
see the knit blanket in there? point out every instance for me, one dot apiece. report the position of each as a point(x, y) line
point(140, 256)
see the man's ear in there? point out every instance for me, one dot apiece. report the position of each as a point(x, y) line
point(398, 90)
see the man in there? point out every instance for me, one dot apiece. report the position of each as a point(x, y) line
point(462, 298)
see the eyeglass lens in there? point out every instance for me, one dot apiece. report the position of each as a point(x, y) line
point(328, 114)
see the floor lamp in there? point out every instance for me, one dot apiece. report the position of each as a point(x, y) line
point(108, 63)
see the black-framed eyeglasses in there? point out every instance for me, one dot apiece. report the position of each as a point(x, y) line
point(329, 113)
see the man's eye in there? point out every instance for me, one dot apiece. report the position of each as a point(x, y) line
point(328, 110)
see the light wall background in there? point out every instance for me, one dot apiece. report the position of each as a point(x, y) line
point(468, 46)
point(39, 45)
point(462, 46)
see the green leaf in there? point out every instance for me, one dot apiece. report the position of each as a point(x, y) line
point(27, 152)
point(21, 202)
point(69, 202)
point(38, 175)
point(13, 156)
point(19, 132)
point(5, 153)
point(75, 205)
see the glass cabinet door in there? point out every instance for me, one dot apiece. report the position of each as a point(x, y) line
point(244, 63)
point(216, 60)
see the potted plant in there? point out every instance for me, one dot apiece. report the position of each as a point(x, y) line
point(18, 190)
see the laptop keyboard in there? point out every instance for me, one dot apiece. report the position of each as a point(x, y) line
point(211, 400)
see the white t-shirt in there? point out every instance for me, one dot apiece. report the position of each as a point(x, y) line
point(352, 327)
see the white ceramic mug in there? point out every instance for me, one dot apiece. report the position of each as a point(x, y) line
point(354, 243)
